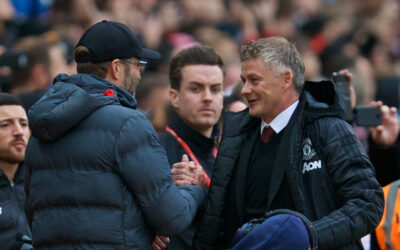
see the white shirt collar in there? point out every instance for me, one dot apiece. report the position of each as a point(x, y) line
point(280, 122)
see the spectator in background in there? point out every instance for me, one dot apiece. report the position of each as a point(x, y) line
point(14, 135)
point(153, 100)
point(44, 62)
point(300, 156)
point(196, 78)
point(384, 145)
point(95, 163)
point(384, 152)
point(387, 232)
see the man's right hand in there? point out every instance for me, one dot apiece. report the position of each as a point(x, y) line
point(186, 172)
point(387, 133)
point(160, 242)
point(182, 173)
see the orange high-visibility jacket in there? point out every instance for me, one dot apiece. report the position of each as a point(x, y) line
point(388, 230)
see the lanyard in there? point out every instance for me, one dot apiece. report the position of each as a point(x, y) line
point(189, 151)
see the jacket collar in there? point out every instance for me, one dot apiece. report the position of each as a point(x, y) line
point(193, 137)
point(70, 101)
point(19, 174)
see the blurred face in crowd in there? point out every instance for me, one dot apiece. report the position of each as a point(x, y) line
point(14, 133)
point(132, 74)
point(58, 62)
point(263, 90)
point(199, 100)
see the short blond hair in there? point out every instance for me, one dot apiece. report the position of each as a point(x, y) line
point(279, 54)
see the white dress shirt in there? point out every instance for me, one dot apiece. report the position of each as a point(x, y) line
point(280, 122)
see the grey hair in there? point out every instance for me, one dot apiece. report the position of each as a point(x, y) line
point(279, 54)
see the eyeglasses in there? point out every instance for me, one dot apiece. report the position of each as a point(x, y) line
point(138, 62)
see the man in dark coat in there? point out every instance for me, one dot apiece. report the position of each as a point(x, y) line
point(306, 159)
point(196, 78)
point(99, 177)
point(14, 135)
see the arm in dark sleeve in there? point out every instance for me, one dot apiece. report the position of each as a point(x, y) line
point(353, 179)
point(144, 168)
point(386, 161)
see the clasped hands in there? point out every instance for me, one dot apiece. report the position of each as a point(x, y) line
point(187, 172)
point(184, 173)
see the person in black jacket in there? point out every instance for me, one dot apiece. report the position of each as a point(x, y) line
point(308, 159)
point(196, 78)
point(98, 175)
point(384, 144)
point(384, 147)
point(14, 135)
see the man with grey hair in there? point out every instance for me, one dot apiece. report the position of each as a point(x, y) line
point(290, 149)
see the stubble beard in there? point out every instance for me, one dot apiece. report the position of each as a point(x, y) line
point(130, 82)
point(7, 155)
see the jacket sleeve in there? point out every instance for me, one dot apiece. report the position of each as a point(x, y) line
point(145, 170)
point(353, 179)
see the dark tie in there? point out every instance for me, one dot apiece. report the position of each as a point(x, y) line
point(267, 134)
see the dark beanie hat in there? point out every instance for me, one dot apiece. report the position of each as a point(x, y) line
point(108, 40)
point(279, 229)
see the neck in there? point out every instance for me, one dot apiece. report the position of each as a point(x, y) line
point(270, 117)
point(206, 132)
point(9, 169)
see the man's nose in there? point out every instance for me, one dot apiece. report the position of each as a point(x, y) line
point(207, 96)
point(245, 90)
point(18, 130)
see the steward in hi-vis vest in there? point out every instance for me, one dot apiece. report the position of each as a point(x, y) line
point(388, 230)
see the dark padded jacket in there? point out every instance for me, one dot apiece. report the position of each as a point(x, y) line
point(99, 178)
point(13, 222)
point(331, 179)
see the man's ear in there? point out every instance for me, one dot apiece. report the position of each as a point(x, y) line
point(115, 69)
point(287, 78)
point(174, 96)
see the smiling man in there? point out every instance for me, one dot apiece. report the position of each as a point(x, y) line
point(14, 135)
point(289, 150)
point(196, 77)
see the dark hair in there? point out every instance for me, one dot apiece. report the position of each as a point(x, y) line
point(9, 99)
point(37, 51)
point(196, 55)
point(148, 84)
point(98, 69)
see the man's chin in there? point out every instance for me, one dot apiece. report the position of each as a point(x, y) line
point(254, 113)
point(207, 123)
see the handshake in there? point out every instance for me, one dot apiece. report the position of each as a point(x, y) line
point(187, 172)
point(184, 173)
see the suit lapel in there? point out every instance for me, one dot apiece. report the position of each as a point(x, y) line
point(284, 158)
point(241, 170)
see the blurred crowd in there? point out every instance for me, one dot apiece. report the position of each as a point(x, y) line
point(37, 38)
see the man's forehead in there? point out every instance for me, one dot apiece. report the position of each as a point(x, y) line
point(254, 66)
point(202, 73)
point(12, 112)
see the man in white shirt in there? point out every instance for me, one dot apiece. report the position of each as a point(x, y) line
point(290, 150)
